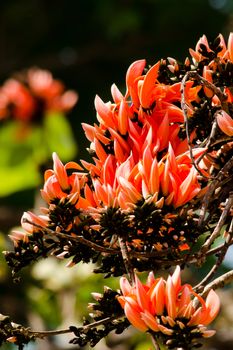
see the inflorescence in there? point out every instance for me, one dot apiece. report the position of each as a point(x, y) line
point(160, 179)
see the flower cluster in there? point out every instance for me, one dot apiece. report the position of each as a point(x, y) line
point(215, 63)
point(154, 186)
point(152, 158)
point(32, 93)
point(169, 309)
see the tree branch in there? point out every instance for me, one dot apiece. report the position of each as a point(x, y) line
point(220, 259)
point(219, 225)
point(219, 282)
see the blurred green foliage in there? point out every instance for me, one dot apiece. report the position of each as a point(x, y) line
point(25, 148)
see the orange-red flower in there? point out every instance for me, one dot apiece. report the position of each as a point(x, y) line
point(59, 185)
point(225, 122)
point(203, 50)
point(168, 308)
point(198, 54)
point(16, 101)
point(32, 93)
point(30, 223)
point(179, 181)
point(230, 46)
point(146, 115)
point(140, 151)
point(50, 90)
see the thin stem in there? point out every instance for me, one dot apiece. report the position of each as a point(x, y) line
point(223, 99)
point(217, 249)
point(192, 259)
point(43, 334)
point(219, 225)
point(223, 173)
point(211, 147)
point(212, 133)
point(154, 342)
point(77, 238)
point(217, 91)
point(185, 111)
point(97, 247)
point(126, 259)
point(219, 282)
point(220, 259)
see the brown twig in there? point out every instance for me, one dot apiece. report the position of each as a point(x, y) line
point(212, 187)
point(43, 334)
point(185, 111)
point(220, 259)
point(97, 247)
point(218, 227)
point(216, 90)
point(154, 342)
point(75, 238)
point(211, 147)
point(217, 249)
point(222, 97)
point(219, 282)
point(126, 258)
point(159, 257)
point(212, 133)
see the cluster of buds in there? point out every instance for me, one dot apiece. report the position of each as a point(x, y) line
point(155, 152)
point(29, 95)
point(77, 215)
point(11, 332)
point(215, 63)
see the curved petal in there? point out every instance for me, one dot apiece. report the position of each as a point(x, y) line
point(213, 306)
point(60, 172)
point(230, 46)
point(176, 279)
point(135, 318)
point(225, 123)
point(125, 286)
point(116, 94)
point(158, 297)
point(148, 85)
point(142, 297)
point(104, 112)
point(133, 72)
point(171, 298)
point(149, 321)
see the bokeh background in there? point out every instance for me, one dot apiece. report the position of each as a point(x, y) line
point(89, 44)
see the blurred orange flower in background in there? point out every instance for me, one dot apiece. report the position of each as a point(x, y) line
point(32, 93)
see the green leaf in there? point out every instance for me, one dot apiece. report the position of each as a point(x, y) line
point(25, 147)
point(18, 177)
point(58, 135)
point(21, 150)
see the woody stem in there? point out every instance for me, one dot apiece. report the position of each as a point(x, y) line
point(184, 107)
point(219, 225)
point(219, 282)
point(43, 334)
point(220, 258)
point(222, 175)
point(126, 259)
point(155, 343)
